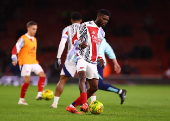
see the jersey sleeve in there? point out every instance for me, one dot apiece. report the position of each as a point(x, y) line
point(109, 51)
point(62, 42)
point(18, 46)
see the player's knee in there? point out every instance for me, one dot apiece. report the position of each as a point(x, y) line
point(42, 74)
point(27, 79)
point(64, 77)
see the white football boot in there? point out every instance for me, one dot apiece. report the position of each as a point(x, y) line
point(54, 105)
point(39, 96)
point(22, 102)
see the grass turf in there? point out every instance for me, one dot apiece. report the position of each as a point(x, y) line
point(143, 102)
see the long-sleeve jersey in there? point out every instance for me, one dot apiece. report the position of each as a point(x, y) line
point(91, 34)
point(67, 36)
point(106, 48)
point(26, 48)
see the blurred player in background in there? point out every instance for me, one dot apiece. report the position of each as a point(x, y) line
point(106, 48)
point(26, 48)
point(69, 68)
point(92, 34)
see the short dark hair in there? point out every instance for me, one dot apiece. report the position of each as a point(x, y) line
point(76, 16)
point(104, 12)
point(30, 23)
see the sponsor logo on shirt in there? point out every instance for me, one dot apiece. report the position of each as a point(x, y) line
point(96, 40)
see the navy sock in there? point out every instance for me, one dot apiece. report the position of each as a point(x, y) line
point(104, 86)
point(73, 104)
point(107, 87)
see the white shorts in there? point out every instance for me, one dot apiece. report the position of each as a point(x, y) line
point(69, 69)
point(26, 69)
point(91, 69)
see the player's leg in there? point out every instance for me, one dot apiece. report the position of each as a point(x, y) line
point(93, 87)
point(60, 85)
point(37, 69)
point(92, 76)
point(90, 91)
point(25, 72)
point(104, 86)
point(82, 99)
point(109, 87)
point(59, 89)
point(93, 97)
point(67, 71)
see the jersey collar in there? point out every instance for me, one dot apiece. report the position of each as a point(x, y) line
point(31, 38)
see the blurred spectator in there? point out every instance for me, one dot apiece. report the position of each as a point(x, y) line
point(143, 52)
point(136, 52)
point(126, 68)
point(146, 52)
point(129, 69)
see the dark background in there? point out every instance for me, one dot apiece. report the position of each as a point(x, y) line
point(138, 31)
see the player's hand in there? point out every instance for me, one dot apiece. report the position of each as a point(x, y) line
point(83, 45)
point(58, 64)
point(101, 63)
point(14, 62)
point(117, 68)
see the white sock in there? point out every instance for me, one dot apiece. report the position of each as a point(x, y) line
point(71, 106)
point(22, 99)
point(93, 98)
point(56, 99)
point(120, 92)
point(39, 93)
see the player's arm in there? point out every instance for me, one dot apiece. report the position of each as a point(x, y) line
point(18, 46)
point(61, 48)
point(110, 53)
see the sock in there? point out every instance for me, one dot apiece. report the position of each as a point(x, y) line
point(24, 89)
point(83, 96)
point(120, 92)
point(56, 99)
point(77, 102)
point(39, 93)
point(93, 98)
point(108, 87)
point(22, 99)
point(41, 83)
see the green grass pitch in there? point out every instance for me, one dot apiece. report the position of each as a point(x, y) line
point(143, 103)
